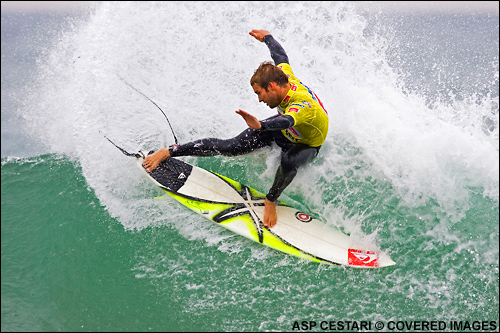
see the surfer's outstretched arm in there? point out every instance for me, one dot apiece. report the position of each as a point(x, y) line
point(277, 52)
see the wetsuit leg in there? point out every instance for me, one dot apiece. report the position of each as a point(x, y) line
point(246, 142)
point(293, 158)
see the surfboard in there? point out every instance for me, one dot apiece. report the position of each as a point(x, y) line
point(240, 209)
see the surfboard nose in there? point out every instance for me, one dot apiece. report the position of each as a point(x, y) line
point(385, 261)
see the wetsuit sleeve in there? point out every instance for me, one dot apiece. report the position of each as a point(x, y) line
point(277, 52)
point(280, 122)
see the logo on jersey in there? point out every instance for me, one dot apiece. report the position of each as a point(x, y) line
point(293, 110)
point(289, 136)
point(294, 131)
point(362, 258)
point(298, 105)
point(302, 217)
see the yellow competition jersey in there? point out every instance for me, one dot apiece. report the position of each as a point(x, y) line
point(302, 104)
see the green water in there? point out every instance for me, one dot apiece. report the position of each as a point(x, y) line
point(68, 266)
point(409, 167)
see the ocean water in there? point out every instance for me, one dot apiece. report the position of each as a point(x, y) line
point(410, 168)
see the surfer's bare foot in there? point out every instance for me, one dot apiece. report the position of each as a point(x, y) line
point(270, 216)
point(151, 161)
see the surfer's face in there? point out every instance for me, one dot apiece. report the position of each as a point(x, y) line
point(269, 96)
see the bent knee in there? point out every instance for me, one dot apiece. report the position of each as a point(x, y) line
point(289, 164)
point(294, 159)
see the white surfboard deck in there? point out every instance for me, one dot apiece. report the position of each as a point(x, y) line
point(241, 209)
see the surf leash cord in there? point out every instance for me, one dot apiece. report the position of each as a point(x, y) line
point(137, 155)
point(149, 99)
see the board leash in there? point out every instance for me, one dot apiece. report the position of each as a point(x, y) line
point(137, 155)
point(149, 99)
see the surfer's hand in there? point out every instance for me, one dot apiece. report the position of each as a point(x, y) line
point(252, 122)
point(152, 161)
point(270, 216)
point(259, 34)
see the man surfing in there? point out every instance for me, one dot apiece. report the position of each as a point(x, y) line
point(299, 128)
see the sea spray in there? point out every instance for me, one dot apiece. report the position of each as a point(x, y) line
point(410, 167)
point(387, 149)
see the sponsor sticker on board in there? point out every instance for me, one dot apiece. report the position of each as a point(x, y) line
point(302, 217)
point(362, 258)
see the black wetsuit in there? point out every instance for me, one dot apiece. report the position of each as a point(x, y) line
point(293, 155)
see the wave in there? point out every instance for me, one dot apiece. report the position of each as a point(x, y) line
point(412, 174)
point(381, 132)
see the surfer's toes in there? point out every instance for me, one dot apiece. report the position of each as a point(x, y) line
point(269, 224)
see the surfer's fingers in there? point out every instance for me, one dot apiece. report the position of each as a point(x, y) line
point(242, 113)
point(259, 34)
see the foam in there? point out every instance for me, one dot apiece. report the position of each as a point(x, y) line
point(195, 63)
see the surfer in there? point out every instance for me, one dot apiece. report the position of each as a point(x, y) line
point(299, 128)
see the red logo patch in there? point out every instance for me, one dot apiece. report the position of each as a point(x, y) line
point(303, 217)
point(362, 258)
point(293, 131)
point(293, 110)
